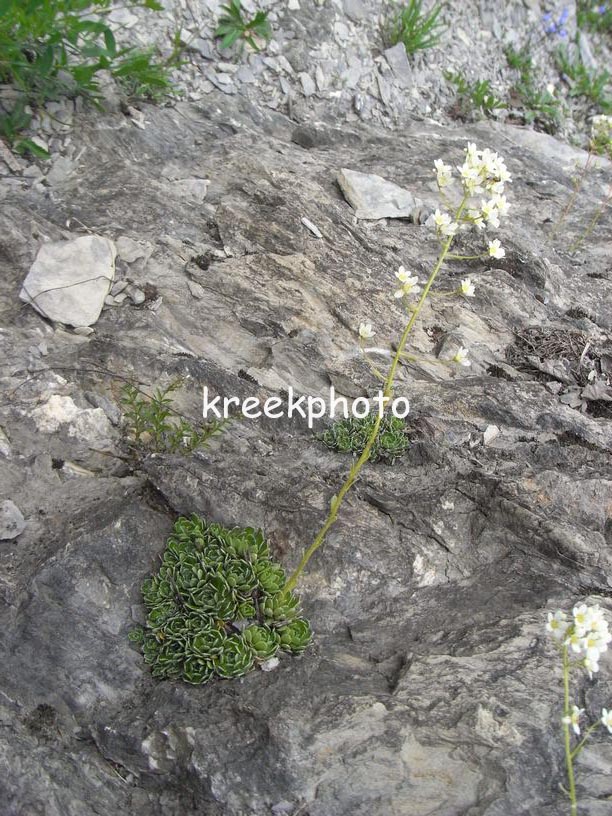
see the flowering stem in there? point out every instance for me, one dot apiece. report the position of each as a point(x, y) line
point(467, 257)
point(569, 756)
point(337, 500)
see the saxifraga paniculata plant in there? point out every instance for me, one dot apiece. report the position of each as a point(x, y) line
point(216, 606)
point(479, 204)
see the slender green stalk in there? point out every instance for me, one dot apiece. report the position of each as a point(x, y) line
point(578, 182)
point(569, 756)
point(337, 500)
point(593, 222)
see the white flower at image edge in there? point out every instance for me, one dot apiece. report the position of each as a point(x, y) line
point(365, 331)
point(467, 288)
point(574, 719)
point(496, 250)
point(606, 718)
point(461, 357)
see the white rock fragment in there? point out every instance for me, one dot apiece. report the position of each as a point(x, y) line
point(491, 432)
point(312, 227)
point(269, 665)
point(373, 197)
point(197, 291)
point(12, 523)
point(53, 413)
point(5, 445)
point(69, 280)
point(88, 424)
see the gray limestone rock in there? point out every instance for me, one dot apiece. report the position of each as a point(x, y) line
point(373, 197)
point(431, 688)
point(12, 523)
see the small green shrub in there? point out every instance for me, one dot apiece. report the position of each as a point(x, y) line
point(477, 95)
point(591, 85)
point(217, 606)
point(538, 106)
point(413, 27)
point(594, 16)
point(152, 422)
point(234, 26)
point(601, 136)
point(351, 435)
point(521, 61)
point(55, 48)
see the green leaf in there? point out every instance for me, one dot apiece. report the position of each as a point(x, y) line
point(28, 146)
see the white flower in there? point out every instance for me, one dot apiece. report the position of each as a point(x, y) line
point(471, 177)
point(490, 213)
point(575, 642)
point(557, 624)
point(444, 224)
point(574, 718)
point(501, 204)
point(550, 88)
point(495, 249)
point(467, 288)
point(596, 620)
point(441, 219)
point(606, 718)
point(409, 284)
point(582, 619)
point(476, 218)
point(461, 357)
point(592, 666)
point(593, 645)
point(365, 331)
point(444, 173)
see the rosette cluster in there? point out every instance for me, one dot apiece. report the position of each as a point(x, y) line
point(217, 606)
point(585, 633)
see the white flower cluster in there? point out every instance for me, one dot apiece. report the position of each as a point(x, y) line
point(586, 633)
point(483, 172)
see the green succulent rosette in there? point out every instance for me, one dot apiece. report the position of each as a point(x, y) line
point(217, 606)
point(295, 636)
point(283, 606)
point(236, 658)
point(264, 642)
point(197, 670)
point(270, 576)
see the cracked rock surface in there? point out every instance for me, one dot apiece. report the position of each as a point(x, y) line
point(431, 689)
